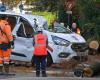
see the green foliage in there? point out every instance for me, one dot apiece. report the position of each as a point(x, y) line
point(11, 3)
point(86, 14)
point(62, 15)
point(97, 0)
point(89, 19)
point(48, 15)
point(46, 5)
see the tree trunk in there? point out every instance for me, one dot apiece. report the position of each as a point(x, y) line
point(94, 45)
point(93, 70)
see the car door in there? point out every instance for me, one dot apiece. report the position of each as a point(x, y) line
point(23, 33)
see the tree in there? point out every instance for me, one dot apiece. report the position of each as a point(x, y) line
point(64, 7)
point(45, 5)
point(89, 18)
point(11, 3)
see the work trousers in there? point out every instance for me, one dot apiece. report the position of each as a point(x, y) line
point(5, 56)
point(40, 62)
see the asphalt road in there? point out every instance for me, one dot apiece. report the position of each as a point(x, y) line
point(52, 75)
point(50, 78)
point(23, 73)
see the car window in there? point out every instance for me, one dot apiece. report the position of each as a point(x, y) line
point(12, 21)
point(61, 29)
point(25, 29)
point(45, 26)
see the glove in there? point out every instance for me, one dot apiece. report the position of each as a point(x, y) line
point(12, 43)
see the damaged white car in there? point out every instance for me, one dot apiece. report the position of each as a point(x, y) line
point(63, 44)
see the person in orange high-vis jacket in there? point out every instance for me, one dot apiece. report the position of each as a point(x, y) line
point(5, 37)
point(78, 31)
point(40, 52)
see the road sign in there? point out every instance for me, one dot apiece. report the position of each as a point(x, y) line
point(69, 4)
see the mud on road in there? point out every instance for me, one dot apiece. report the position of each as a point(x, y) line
point(21, 71)
point(54, 71)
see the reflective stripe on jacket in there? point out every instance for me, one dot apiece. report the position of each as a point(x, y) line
point(78, 31)
point(40, 45)
point(5, 34)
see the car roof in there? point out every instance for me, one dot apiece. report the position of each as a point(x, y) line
point(41, 20)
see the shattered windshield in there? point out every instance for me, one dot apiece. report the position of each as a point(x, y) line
point(62, 29)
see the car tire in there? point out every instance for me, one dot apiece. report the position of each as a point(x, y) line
point(49, 60)
point(78, 72)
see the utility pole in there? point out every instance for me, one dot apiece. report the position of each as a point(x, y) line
point(69, 5)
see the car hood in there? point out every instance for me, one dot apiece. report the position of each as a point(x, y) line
point(72, 37)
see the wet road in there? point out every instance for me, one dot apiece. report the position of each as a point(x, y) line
point(49, 78)
point(30, 72)
point(23, 73)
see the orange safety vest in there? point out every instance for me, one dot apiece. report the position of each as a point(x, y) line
point(5, 32)
point(78, 31)
point(40, 45)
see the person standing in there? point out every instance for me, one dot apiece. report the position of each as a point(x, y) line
point(56, 23)
point(40, 52)
point(75, 28)
point(6, 40)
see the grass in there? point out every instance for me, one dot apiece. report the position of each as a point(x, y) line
point(48, 15)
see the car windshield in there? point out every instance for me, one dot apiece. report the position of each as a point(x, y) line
point(61, 29)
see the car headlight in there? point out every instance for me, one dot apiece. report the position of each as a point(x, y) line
point(60, 41)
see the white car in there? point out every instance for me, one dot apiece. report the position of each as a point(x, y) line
point(61, 45)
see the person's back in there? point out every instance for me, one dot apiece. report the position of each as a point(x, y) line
point(40, 52)
point(40, 44)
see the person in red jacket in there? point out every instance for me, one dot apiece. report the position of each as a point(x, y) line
point(40, 52)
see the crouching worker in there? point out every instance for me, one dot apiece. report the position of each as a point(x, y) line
point(6, 43)
point(40, 52)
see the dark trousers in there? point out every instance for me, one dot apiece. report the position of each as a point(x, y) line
point(40, 62)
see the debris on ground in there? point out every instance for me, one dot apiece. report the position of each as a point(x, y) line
point(90, 68)
point(66, 64)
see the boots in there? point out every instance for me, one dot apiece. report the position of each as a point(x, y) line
point(1, 69)
point(6, 68)
point(37, 73)
point(44, 74)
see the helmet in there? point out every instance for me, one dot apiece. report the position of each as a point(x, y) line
point(39, 28)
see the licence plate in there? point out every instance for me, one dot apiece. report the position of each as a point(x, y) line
point(82, 53)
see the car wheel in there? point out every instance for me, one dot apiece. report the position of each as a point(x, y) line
point(78, 72)
point(49, 60)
